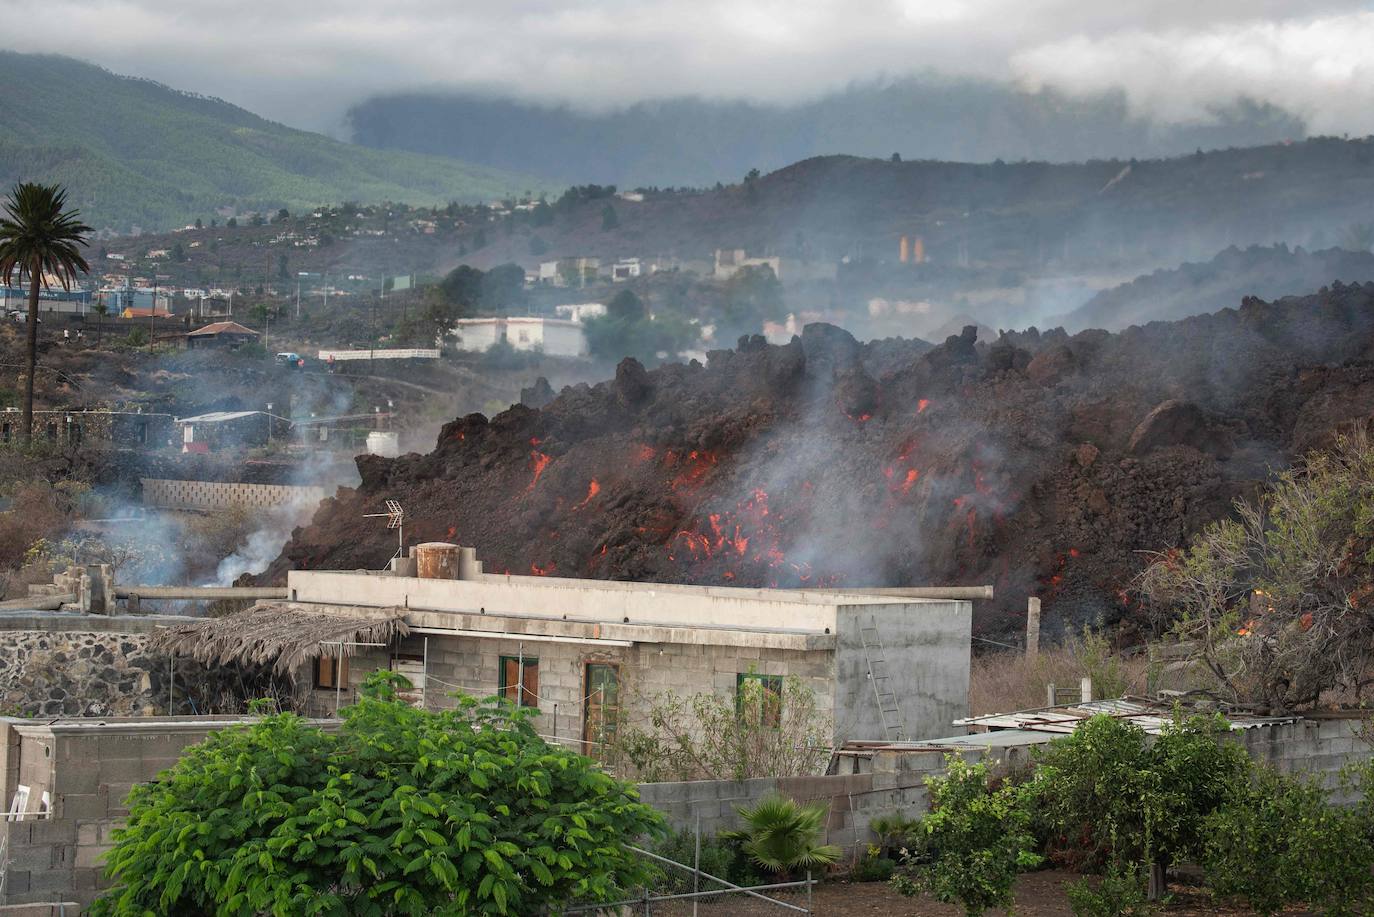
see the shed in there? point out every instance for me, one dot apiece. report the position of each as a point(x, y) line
point(221, 334)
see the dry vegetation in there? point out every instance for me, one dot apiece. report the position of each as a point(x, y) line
point(1005, 681)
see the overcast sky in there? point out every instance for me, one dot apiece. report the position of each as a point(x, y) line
point(304, 61)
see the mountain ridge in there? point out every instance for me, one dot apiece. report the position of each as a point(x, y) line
point(135, 153)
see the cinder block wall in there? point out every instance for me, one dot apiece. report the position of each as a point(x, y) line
point(648, 671)
point(169, 494)
point(89, 777)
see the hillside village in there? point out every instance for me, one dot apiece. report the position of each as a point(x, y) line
point(385, 532)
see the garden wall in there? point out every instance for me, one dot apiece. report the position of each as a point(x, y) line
point(68, 664)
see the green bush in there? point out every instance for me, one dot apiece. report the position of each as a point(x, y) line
point(1107, 795)
point(720, 857)
point(1278, 841)
point(401, 811)
point(1120, 892)
point(874, 866)
point(973, 843)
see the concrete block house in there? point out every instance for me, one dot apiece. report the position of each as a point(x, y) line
point(591, 655)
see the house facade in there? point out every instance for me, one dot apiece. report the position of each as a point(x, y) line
point(594, 656)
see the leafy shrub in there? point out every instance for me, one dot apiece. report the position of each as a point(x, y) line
point(973, 843)
point(760, 732)
point(874, 866)
point(1105, 794)
point(400, 811)
point(1121, 892)
point(1278, 841)
point(720, 856)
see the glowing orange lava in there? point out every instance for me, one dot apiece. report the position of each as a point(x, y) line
point(922, 405)
point(539, 461)
point(543, 571)
point(592, 490)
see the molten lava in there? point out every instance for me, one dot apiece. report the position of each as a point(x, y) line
point(922, 405)
point(592, 490)
point(538, 462)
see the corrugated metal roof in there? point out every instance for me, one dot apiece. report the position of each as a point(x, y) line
point(1149, 715)
point(217, 416)
point(222, 328)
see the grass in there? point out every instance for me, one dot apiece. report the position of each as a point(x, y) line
point(1004, 681)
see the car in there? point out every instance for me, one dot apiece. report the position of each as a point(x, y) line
point(289, 358)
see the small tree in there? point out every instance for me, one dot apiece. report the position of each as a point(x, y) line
point(401, 811)
point(101, 310)
point(1107, 797)
point(609, 218)
point(1278, 841)
point(1280, 600)
point(973, 843)
point(766, 730)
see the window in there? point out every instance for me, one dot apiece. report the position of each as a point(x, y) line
point(6, 430)
point(759, 697)
point(527, 683)
point(74, 434)
point(52, 431)
point(324, 672)
point(523, 337)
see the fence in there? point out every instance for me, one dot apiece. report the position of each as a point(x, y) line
point(646, 899)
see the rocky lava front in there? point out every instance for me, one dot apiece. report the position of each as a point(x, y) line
point(1040, 462)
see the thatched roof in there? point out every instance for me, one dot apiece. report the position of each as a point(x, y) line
point(275, 635)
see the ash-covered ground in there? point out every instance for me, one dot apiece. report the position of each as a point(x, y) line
point(1042, 463)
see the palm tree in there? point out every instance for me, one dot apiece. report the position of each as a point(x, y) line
point(39, 237)
point(101, 310)
point(781, 836)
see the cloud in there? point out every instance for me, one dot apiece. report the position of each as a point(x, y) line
point(1319, 69)
point(303, 62)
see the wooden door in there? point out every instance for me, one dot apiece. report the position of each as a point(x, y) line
point(601, 709)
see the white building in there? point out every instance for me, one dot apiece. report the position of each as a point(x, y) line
point(625, 269)
point(554, 336)
point(581, 311)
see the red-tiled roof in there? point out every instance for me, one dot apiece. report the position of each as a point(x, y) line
point(223, 328)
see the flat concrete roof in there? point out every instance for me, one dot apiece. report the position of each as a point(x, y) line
point(605, 601)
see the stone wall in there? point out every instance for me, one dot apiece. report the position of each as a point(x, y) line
point(169, 494)
point(62, 664)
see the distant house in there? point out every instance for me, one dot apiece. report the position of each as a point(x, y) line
point(729, 262)
point(221, 334)
point(625, 269)
point(72, 428)
point(554, 336)
point(569, 272)
point(219, 430)
point(580, 311)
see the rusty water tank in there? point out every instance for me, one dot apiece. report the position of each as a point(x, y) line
point(437, 560)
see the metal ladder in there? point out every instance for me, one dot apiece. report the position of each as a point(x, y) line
point(889, 711)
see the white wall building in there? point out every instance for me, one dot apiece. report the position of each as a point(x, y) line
point(554, 336)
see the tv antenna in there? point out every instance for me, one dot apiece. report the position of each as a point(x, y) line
point(395, 519)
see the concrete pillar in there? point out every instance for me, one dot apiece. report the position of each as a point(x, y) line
point(1033, 626)
point(1086, 688)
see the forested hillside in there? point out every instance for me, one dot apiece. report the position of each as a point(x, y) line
point(690, 141)
point(139, 154)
